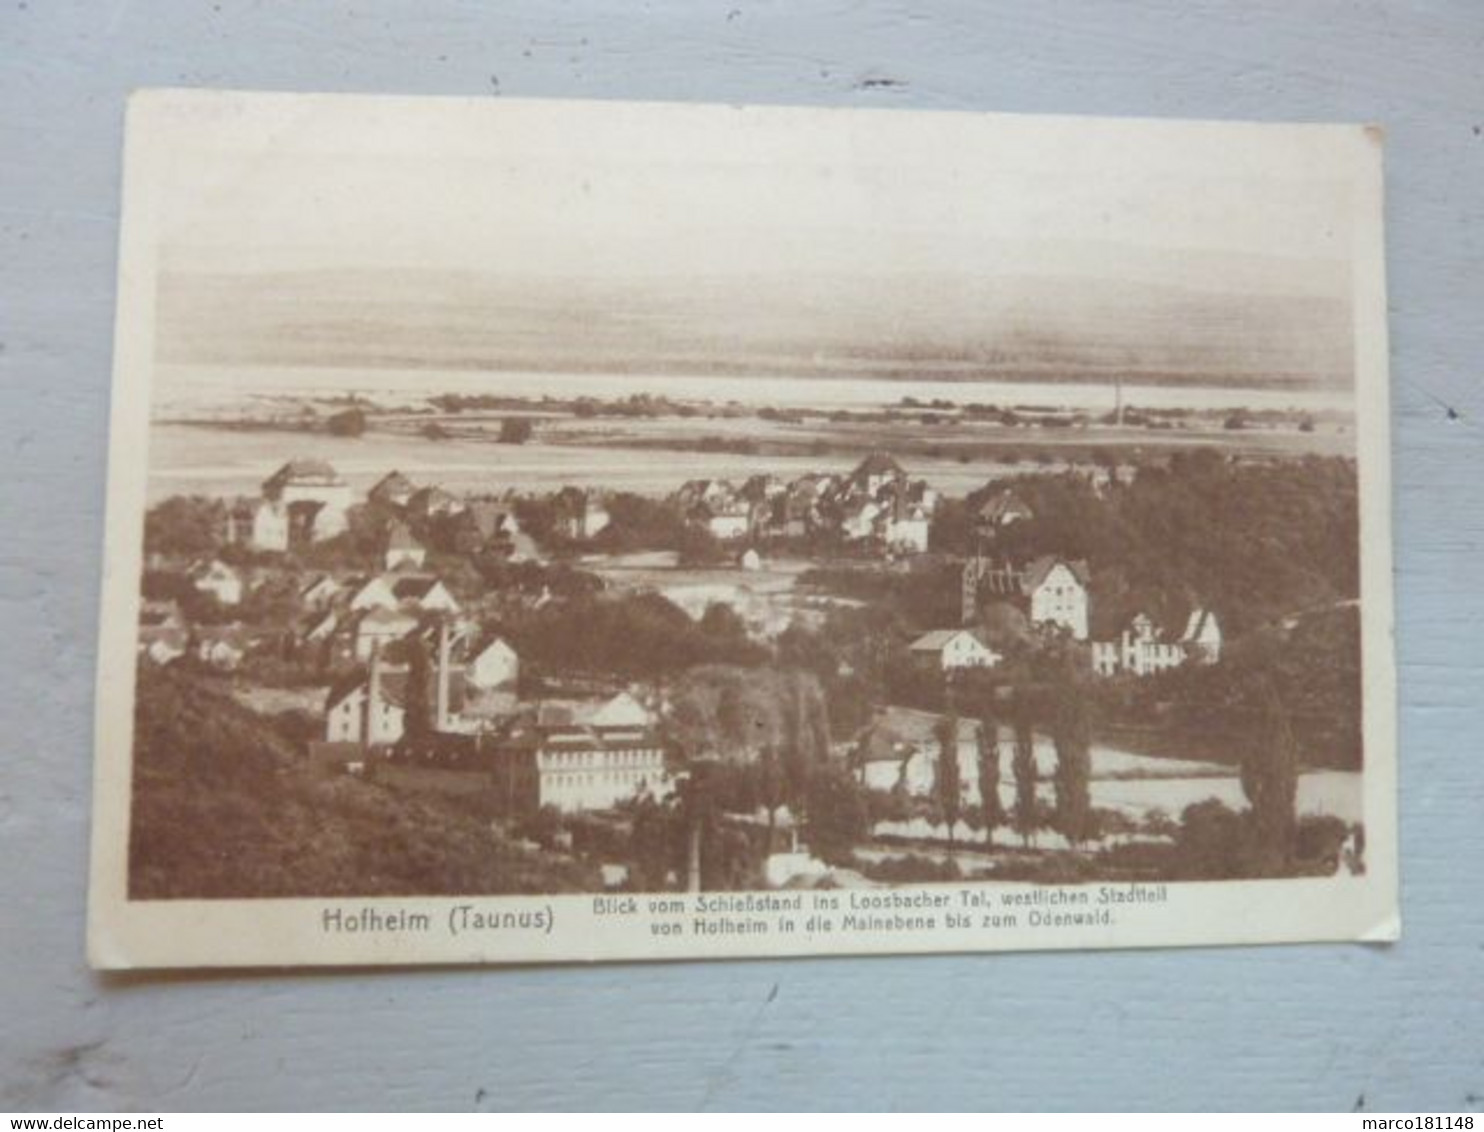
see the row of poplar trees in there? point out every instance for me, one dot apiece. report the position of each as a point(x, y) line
point(1269, 777)
point(1071, 732)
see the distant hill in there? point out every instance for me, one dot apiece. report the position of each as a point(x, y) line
point(1245, 330)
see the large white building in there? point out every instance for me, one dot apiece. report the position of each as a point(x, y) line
point(1141, 651)
point(304, 502)
point(1052, 591)
point(589, 756)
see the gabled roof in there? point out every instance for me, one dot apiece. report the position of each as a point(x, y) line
point(426, 497)
point(209, 566)
point(877, 464)
point(1037, 570)
point(1004, 504)
point(1200, 621)
point(305, 471)
point(393, 482)
point(938, 639)
point(315, 582)
point(412, 587)
point(489, 643)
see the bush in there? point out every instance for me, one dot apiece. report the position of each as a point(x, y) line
point(352, 422)
point(515, 430)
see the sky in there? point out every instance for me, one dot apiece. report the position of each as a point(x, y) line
point(588, 237)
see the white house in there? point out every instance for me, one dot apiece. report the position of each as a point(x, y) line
point(730, 521)
point(906, 529)
point(495, 665)
point(577, 769)
point(260, 523)
point(620, 713)
point(1138, 651)
point(315, 497)
point(1057, 593)
point(952, 649)
point(402, 549)
point(589, 756)
point(1202, 637)
point(858, 519)
point(219, 580)
point(370, 711)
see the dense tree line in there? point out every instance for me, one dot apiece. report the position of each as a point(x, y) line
point(1253, 541)
point(641, 636)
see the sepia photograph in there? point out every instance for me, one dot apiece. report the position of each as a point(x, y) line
point(551, 531)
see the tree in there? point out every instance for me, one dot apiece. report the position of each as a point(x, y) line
point(835, 814)
point(184, 525)
point(772, 786)
point(515, 430)
point(947, 782)
point(417, 719)
point(1023, 765)
point(352, 422)
point(989, 776)
point(1073, 767)
point(1270, 781)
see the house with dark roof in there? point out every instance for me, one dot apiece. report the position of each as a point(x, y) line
point(875, 472)
point(311, 497)
point(1001, 509)
point(434, 502)
point(392, 490)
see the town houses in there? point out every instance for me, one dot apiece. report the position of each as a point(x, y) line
point(394, 612)
point(876, 504)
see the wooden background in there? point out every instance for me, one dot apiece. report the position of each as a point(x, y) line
point(1295, 1027)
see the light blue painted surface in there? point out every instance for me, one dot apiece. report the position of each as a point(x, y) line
point(1303, 1027)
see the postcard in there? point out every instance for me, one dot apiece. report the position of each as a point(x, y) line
point(565, 531)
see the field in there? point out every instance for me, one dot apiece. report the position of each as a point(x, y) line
point(654, 456)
